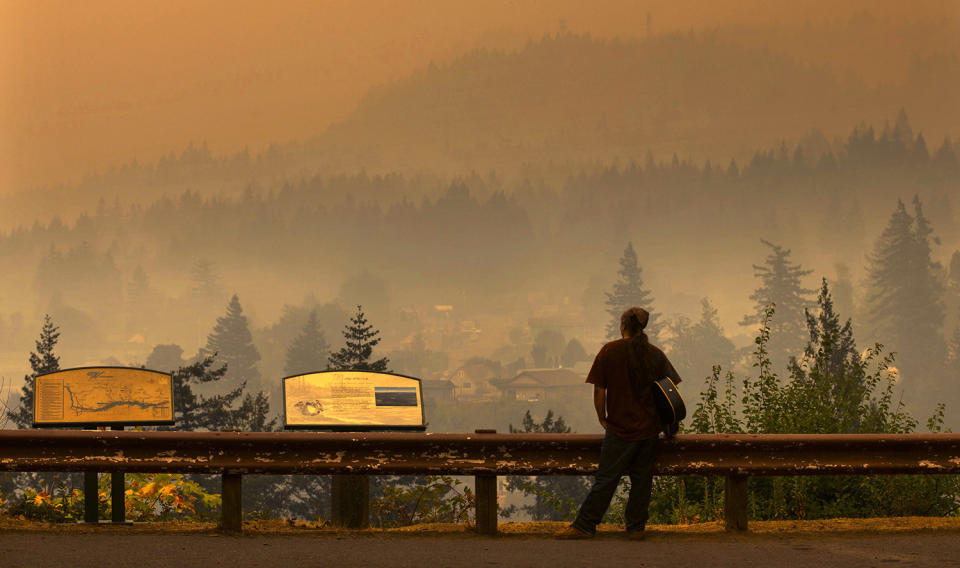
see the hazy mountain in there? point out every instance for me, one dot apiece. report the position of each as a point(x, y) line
point(576, 98)
point(565, 99)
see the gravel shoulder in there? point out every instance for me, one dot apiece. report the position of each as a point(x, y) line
point(837, 542)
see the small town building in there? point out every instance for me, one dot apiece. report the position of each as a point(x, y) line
point(538, 385)
point(441, 390)
point(473, 381)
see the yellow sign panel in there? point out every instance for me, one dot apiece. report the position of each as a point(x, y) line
point(353, 400)
point(94, 396)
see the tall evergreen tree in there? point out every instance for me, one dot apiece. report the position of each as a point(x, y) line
point(360, 338)
point(696, 347)
point(905, 299)
point(780, 285)
point(309, 350)
point(232, 343)
point(628, 291)
point(831, 358)
point(42, 361)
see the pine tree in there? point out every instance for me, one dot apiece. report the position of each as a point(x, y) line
point(556, 496)
point(361, 338)
point(696, 347)
point(905, 300)
point(628, 292)
point(232, 343)
point(41, 362)
point(831, 359)
point(573, 353)
point(781, 286)
point(309, 350)
point(195, 411)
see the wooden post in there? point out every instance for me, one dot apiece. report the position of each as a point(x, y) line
point(486, 496)
point(735, 503)
point(486, 499)
point(91, 498)
point(231, 495)
point(350, 501)
point(118, 500)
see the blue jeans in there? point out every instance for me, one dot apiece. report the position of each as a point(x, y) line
point(619, 456)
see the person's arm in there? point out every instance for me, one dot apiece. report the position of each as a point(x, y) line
point(598, 379)
point(600, 404)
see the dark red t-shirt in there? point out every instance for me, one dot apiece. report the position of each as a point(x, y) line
point(631, 415)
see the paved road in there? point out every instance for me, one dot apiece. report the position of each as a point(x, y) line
point(32, 550)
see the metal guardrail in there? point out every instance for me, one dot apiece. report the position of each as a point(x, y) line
point(233, 454)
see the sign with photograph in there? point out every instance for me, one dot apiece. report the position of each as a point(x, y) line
point(352, 401)
point(103, 396)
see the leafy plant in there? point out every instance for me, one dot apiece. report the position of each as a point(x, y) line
point(430, 499)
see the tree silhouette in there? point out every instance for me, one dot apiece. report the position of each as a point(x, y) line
point(696, 347)
point(42, 361)
point(360, 338)
point(309, 350)
point(905, 301)
point(628, 291)
point(231, 342)
point(780, 285)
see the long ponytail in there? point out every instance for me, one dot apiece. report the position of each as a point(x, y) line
point(634, 320)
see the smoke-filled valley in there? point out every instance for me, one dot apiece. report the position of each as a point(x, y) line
point(479, 211)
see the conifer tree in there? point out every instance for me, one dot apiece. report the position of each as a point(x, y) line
point(696, 347)
point(232, 343)
point(780, 285)
point(905, 300)
point(573, 353)
point(831, 358)
point(556, 496)
point(360, 338)
point(42, 361)
point(309, 350)
point(627, 292)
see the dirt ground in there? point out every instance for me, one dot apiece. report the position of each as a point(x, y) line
point(838, 542)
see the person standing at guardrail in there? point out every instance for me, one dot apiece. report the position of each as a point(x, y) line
point(622, 376)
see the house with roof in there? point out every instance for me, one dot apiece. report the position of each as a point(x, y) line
point(439, 390)
point(538, 385)
point(473, 381)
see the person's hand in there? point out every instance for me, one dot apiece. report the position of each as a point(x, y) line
point(603, 422)
point(669, 432)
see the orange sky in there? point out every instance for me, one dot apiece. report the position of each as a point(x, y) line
point(86, 85)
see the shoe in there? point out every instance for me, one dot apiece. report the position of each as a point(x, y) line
point(636, 535)
point(573, 533)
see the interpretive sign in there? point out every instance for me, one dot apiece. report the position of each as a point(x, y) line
point(103, 396)
point(353, 401)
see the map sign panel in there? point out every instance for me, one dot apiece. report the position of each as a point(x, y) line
point(97, 396)
point(353, 400)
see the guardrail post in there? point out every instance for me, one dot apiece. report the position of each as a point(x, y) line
point(350, 501)
point(231, 510)
point(91, 498)
point(486, 499)
point(735, 503)
point(118, 500)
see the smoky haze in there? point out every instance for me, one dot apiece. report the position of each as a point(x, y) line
point(471, 175)
point(87, 87)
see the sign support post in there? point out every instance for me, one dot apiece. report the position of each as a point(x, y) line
point(118, 502)
point(91, 498)
point(101, 397)
point(352, 401)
